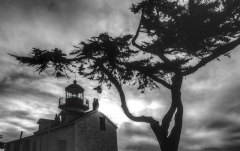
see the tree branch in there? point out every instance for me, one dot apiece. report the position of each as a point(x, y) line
point(137, 34)
point(164, 83)
point(174, 137)
point(217, 52)
point(140, 69)
point(157, 53)
point(176, 101)
point(149, 120)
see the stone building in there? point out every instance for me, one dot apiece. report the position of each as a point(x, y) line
point(75, 128)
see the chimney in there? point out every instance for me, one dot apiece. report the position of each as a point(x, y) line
point(95, 104)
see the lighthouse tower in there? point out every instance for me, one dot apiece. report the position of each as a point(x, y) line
point(74, 100)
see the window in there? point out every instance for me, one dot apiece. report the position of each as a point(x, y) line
point(62, 145)
point(102, 124)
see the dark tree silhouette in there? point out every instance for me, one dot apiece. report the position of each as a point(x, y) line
point(181, 38)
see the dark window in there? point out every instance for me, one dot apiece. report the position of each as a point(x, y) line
point(62, 145)
point(34, 146)
point(102, 124)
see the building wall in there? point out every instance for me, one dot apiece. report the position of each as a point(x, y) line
point(50, 142)
point(47, 142)
point(89, 137)
point(70, 117)
point(38, 143)
point(43, 125)
point(10, 147)
point(85, 135)
point(67, 134)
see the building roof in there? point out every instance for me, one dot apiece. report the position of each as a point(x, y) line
point(44, 120)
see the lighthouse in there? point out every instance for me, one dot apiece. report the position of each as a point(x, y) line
point(75, 128)
point(74, 99)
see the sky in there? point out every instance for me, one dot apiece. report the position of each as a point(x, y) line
point(211, 96)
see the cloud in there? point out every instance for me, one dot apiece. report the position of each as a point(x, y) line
point(211, 101)
point(142, 146)
point(132, 130)
point(60, 23)
point(227, 148)
point(134, 136)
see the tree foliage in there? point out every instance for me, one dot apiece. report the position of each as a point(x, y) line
point(198, 30)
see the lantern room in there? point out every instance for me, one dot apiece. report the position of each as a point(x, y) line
point(74, 91)
point(74, 99)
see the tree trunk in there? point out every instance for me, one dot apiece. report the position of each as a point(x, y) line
point(167, 142)
point(170, 142)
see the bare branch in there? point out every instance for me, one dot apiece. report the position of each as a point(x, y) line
point(217, 52)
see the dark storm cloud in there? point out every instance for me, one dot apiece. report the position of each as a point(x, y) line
point(235, 147)
point(229, 99)
point(220, 123)
point(23, 126)
point(23, 102)
point(234, 130)
point(19, 114)
point(11, 134)
point(17, 84)
point(233, 138)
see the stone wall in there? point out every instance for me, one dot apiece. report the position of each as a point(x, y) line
point(89, 137)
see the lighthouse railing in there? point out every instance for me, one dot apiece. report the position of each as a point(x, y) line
point(86, 102)
point(62, 101)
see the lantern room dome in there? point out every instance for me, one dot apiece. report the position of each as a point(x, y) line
point(74, 99)
point(74, 88)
